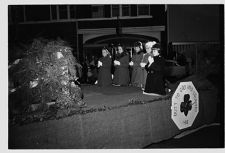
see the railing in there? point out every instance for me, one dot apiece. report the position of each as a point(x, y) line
point(196, 53)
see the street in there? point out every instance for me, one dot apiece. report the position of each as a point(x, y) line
point(206, 137)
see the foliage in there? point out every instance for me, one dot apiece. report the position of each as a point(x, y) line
point(47, 73)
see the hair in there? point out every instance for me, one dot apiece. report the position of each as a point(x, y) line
point(107, 51)
point(120, 45)
point(138, 44)
point(150, 43)
point(157, 46)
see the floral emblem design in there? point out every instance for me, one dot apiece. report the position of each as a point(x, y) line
point(186, 105)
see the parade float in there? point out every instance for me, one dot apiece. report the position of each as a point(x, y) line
point(115, 117)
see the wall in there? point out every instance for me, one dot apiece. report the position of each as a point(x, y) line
point(188, 23)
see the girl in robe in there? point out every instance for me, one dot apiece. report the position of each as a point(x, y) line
point(104, 65)
point(136, 77)
point(144, 61)
point(155, 84)
point(121, 64)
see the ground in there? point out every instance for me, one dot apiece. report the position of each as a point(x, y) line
point(208, 137)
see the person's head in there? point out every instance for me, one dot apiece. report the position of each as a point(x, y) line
point(120, 49)
point(105, 52)
point(148, 46)
point(156, 50)
point(138, 46)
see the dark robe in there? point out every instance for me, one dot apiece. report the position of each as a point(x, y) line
point(155, 78)
point(136, 79)
point(104, 73)
point(144, 72)
point(121, 73)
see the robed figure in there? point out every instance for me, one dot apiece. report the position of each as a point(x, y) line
point(121, 73)
point(144, 61)
point(136, 77)
point(104, 71)
point(155, 84)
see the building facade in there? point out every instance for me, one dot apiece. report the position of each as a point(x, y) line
point(89, 27)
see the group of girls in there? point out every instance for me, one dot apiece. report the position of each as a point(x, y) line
point(147, 68)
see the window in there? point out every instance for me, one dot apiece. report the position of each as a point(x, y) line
point(130, 10)
point(53, 11)
point(16, 13)
point(98, 11)
point(63, 12)
point(115, 10)
point(133, 10)
point(143, 10)
point(125, 10)
point(37, 12)
point(72, 11)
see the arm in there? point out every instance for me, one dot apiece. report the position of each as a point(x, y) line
point(158, 65)
point(138, 60)
point(147, 68)
point(106, 62)
point(124, 61)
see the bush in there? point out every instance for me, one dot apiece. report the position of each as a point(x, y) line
point(47, 73)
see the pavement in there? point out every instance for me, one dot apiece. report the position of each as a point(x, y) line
point(205, 137)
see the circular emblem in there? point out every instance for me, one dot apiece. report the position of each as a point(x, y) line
point(185, 105)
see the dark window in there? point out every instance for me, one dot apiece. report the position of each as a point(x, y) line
point(107, 10)
point(83, 11)
point(98, 11)
point(115, 10)
point(63, 12)
point(16, 13)
point(37, 12)
point(125, 10)
point(53, 11)
point(143, 9)
point(72, 11)
point(133, 10)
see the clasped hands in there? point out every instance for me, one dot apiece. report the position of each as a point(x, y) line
point(116, 62)
point(150, 60)
point(99, 63)
point(131, 63)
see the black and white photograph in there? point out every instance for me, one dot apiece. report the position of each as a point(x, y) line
point(114, 75)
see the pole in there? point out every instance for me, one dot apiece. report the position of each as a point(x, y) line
point(77, 41)
point(77, 35)
point(167, 19)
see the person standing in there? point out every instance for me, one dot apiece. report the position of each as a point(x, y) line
point(136, 77)
point(155, 84)
point(121, 63)
point(104, 65)
point(144, 61)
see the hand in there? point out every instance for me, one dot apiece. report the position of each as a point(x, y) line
point(116, 62)
point(131, 63)
point(99, 63)
point(142, 64)
point(150, 59)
